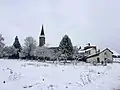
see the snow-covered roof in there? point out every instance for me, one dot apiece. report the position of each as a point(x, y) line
point(106, 49)
point(81, 51)
point(89, 47)
point(115, 53)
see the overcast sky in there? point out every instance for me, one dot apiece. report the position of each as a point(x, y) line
point(94, 21)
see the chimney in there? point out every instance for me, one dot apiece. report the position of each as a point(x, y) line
point(88, 44)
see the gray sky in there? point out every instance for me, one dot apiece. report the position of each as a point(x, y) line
point(94, 21)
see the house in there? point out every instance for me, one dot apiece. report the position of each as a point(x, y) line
point(93, 54)
point(101, 57)
point(90, 50)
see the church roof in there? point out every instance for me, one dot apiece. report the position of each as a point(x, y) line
point(42, 31)
point(53, 47)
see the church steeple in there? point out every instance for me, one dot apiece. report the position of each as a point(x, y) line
point(42, 31)
point(42, 37)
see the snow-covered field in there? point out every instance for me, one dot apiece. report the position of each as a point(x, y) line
point(31, 75)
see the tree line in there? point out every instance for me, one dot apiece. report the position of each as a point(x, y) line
point(30, 50)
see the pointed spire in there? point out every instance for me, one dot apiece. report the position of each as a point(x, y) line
point(42, 31)
point(16, 38)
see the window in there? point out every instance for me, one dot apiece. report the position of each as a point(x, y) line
point(98, 60)
point(88, 52)
point(105, 53)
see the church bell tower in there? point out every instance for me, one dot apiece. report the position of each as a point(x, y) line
point(42, 37)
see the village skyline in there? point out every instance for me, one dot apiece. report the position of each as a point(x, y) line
point(91, 21)
point(59, 44)
point(48, 43)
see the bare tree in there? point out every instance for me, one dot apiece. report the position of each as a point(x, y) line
point(29, 47)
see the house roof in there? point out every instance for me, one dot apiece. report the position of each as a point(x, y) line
point(81, 51)
point(99, 53)
point(115, 53)
point(106, 49)
point(88, 47)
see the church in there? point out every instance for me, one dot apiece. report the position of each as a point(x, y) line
point(42, 40)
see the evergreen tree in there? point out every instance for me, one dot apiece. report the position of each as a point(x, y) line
point(1, 45)
point(16, 44)
point(66, 47)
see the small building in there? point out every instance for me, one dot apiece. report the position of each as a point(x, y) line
point(90, 50)
point(92, 54)
point(101, 57)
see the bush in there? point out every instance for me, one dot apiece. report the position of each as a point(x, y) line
point(70, 58)
point(41, 58)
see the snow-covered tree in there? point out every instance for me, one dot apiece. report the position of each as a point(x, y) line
point(66, 46)
point(76, 49)
point(75, 52)
point(16, 44)
point(1, 44)
point(55, 55)
point(40, 52)
point(43, 52)
point(29, 46)
point(1, 41)
point(9, 51)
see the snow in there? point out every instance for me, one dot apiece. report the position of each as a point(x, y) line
point(33, 75)
point(115, 53)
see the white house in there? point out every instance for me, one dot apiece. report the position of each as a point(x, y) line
point(101, 57)
point(90, 50)
point(94, 55)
